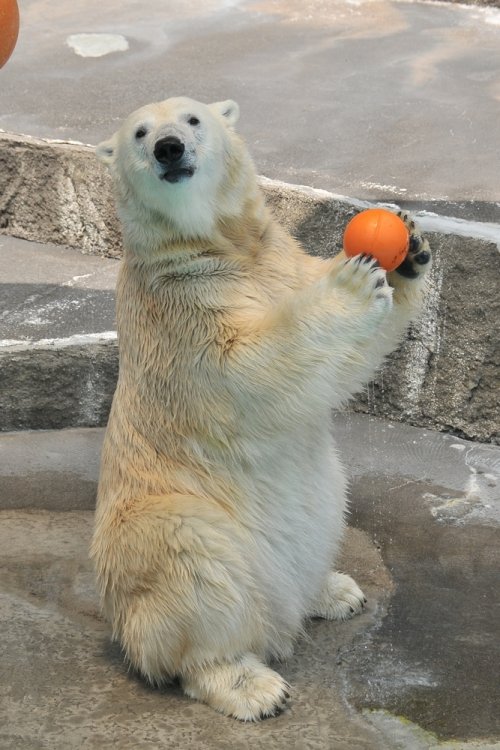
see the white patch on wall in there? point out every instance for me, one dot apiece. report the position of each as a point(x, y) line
point(97, 45)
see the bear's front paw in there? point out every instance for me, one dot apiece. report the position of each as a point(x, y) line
point(364, 284)
point(419, 256)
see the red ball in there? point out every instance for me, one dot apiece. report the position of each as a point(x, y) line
point(9, 28)
point(379, 233)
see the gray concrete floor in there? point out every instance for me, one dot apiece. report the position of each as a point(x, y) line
point(418, 670)
point(51, 292)
point(378, 100)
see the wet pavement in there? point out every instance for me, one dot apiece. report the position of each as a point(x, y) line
point(372, 99)
point(418, 670)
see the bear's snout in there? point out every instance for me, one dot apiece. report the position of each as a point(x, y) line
point(169, 150)
point(177, 164)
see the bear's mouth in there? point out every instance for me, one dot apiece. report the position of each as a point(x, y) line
point(177, 174)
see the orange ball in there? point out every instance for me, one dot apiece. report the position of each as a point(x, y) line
point(9, 29)
point(379, 233)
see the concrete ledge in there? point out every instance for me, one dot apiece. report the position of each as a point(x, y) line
point(58, 384)
point(58, 351)
point(50, 470)
point(56, 192)
point(58, 469)
point(444, 376)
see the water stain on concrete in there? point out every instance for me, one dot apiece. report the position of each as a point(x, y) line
point(434, 657)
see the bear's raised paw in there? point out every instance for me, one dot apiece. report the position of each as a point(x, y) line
point(419, 253)
point(365, 284)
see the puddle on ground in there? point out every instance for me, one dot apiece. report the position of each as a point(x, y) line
point(433, 658)
point(411, 737)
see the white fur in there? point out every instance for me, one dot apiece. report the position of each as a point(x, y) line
point(222, 499)
point(191, 205)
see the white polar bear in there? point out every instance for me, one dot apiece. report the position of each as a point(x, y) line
point(221, 498)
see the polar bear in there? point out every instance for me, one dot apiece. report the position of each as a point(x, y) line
point(221, 497)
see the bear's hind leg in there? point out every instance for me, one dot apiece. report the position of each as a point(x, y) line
point(244, 688)
point(177, 582)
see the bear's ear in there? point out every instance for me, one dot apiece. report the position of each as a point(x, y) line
point(228, 109)
point(105, 151)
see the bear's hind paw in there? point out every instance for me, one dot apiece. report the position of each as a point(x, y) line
point(245, 688)
point(340, 599)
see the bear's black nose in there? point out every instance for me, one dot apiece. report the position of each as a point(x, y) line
point(168, 150)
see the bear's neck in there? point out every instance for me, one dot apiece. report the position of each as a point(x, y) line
point(159, 239)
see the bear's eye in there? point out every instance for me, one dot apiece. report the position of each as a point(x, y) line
point(193, 121)
point(140, 133)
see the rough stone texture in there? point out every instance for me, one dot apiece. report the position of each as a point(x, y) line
point(54, 192)
point(416, 671)
point(444, 376)
point(317, 220)
point(59, 193)
point(57, 386)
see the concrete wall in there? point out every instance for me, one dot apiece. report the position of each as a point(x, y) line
point(446, 374)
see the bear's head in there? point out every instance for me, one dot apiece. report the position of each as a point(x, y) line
point(179, 163)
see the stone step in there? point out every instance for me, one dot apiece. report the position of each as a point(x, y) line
point(50, 291)
point(58, 352)
point(444, 376)
point(58, 348)
point(58, 469)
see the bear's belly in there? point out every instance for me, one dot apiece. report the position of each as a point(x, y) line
point(295, 512)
